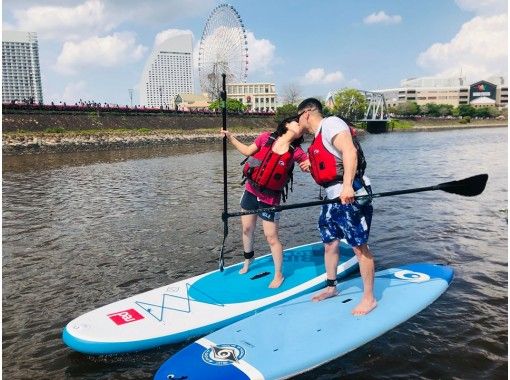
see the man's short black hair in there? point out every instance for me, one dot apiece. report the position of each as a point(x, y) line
point(310, 103)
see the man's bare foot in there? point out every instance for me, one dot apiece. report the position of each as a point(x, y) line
point(277, 281)
point(328, 292)
point(246, 266)
point(364, 307)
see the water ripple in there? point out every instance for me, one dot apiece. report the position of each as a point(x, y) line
point(82, 230)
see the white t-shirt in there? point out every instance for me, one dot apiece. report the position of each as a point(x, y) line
point(330, 127)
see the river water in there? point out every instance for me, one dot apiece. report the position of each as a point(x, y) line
point(85, 229)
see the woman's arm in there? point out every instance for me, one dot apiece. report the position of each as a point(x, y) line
point(244, 149)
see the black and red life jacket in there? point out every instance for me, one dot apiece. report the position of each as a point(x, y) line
point(268, 171)
point(328, 169)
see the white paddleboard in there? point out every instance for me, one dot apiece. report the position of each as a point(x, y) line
point(299, 335)
point(199, 305)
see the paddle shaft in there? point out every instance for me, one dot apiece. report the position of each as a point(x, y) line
point(328, 201)
point(225, 187)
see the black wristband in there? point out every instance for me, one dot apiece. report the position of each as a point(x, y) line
point(331, 282)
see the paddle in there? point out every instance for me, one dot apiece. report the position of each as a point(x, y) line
point(225, 208)
point(467, 187)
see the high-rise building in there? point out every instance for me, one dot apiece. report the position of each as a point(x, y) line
point(21, 75)
point(168, 72)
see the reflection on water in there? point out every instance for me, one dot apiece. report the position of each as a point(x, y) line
point(84, 229)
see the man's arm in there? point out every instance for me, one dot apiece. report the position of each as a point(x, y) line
point(343, 142)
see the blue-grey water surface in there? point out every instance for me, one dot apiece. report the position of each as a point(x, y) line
point(85, 229)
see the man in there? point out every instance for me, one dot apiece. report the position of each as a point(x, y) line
point(334, 165)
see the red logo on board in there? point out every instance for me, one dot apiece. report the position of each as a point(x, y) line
point(126, 316)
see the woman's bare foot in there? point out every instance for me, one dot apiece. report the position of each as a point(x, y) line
point(277, 281)
point(328, 292)
point(246, 266)
point(364, 307)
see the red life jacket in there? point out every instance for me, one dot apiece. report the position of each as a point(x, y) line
point(269, 171)
point(328, 169)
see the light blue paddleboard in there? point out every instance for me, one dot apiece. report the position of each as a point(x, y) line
point(199, 305)
point(299, 335)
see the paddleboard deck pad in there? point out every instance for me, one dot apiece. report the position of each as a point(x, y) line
point(199, 305)
point(299, 335)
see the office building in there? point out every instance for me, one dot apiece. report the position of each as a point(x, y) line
point(259, 97)
point(452, 91)
point(21, 75)
point(168, 72)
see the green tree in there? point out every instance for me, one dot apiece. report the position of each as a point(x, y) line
point(326, 111)
point(466, 110)
point(482, 112)
point(349, 104)
point(494, 112)
point(445, 109)
point(433, 109)
point(233, 105)
point(424, 110)
point(408, 109)
point(285, 111)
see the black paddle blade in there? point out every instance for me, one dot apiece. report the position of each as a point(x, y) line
point(468, 187)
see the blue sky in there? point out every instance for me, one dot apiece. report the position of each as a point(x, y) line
point(97, 49)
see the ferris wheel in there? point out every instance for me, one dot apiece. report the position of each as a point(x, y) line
point(223, 50)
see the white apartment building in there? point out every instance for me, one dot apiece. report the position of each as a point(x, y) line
point(21, 74)
point(259, 97)
point(168, 72)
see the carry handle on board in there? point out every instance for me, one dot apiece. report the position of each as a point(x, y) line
point(468, 187)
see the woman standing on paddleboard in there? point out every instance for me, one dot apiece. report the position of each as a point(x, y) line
point(268, 171)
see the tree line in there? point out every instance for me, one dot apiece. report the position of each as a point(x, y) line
point(350, 104)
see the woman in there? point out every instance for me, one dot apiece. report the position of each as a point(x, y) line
point(268, 169)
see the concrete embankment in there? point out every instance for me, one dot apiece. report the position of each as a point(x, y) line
point(48, 132)
point(52, 132)
point(21, 144)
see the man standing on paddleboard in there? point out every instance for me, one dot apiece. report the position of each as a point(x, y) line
point(337, 164)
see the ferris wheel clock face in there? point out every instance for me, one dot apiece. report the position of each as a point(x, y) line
point(223, 50)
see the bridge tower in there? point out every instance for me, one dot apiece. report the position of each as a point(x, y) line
point(376, 115)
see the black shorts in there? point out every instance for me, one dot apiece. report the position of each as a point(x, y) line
point(250, 202)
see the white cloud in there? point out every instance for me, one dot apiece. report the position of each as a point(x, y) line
point(75, 91)
point(109, 51)
point(484, 7)
point(382, 18)
point(479, 49)
point(169, 33)
point(319, 76)
point(261, 55)
point(81, 19)
point(64, 22)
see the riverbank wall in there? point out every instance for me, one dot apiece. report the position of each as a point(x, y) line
point(70, 131)
point(99, 120)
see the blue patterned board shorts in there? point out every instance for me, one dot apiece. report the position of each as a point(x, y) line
point(350, 222)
